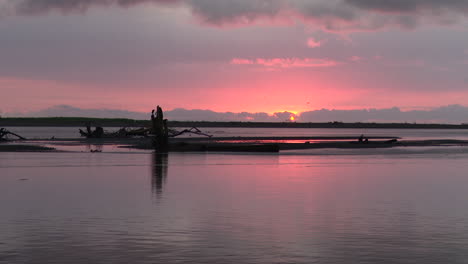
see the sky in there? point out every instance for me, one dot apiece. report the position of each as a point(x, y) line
point(239, 59)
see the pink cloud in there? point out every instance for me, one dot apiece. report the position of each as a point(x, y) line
point(356, 59)
point(287, 62)
point(312, 43)
point(237, 61)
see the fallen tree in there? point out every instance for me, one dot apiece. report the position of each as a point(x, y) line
point(193, 130)
point(4, 133)
point(124, 132)
point(158, 129)
point(162, 133)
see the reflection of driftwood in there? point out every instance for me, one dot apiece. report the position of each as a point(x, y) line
point(4, 133)
point(158, 179)
point(193, 130)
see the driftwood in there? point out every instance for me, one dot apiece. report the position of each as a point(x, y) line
point(224, 147)
point(162, 133)
point(97, 133)
point(193, 130)
point(142, 132)
point(160, 130)
point(4, 133)
point(121, 133)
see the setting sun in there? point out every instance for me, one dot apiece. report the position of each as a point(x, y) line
point(292, 118)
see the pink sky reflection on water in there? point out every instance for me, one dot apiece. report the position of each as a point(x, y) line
point(207, 206)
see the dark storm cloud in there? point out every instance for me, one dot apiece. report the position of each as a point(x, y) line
point(333, 15)
point(411, 5)
point(238, 11)
point(27, 7)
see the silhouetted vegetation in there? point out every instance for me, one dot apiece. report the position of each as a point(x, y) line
point(71, 121)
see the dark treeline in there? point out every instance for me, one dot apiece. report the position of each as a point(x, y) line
point(70, 121)
point(122, 122)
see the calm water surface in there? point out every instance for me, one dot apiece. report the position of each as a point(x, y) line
point(407, 134)
point(219, 208)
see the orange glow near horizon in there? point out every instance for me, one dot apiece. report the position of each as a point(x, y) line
point(257, 92)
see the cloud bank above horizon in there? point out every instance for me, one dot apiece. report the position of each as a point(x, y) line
point(452, 114)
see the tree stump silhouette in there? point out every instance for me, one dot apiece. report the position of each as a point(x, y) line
point(160, 130)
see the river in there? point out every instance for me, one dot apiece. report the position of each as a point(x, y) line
point(336, 206)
